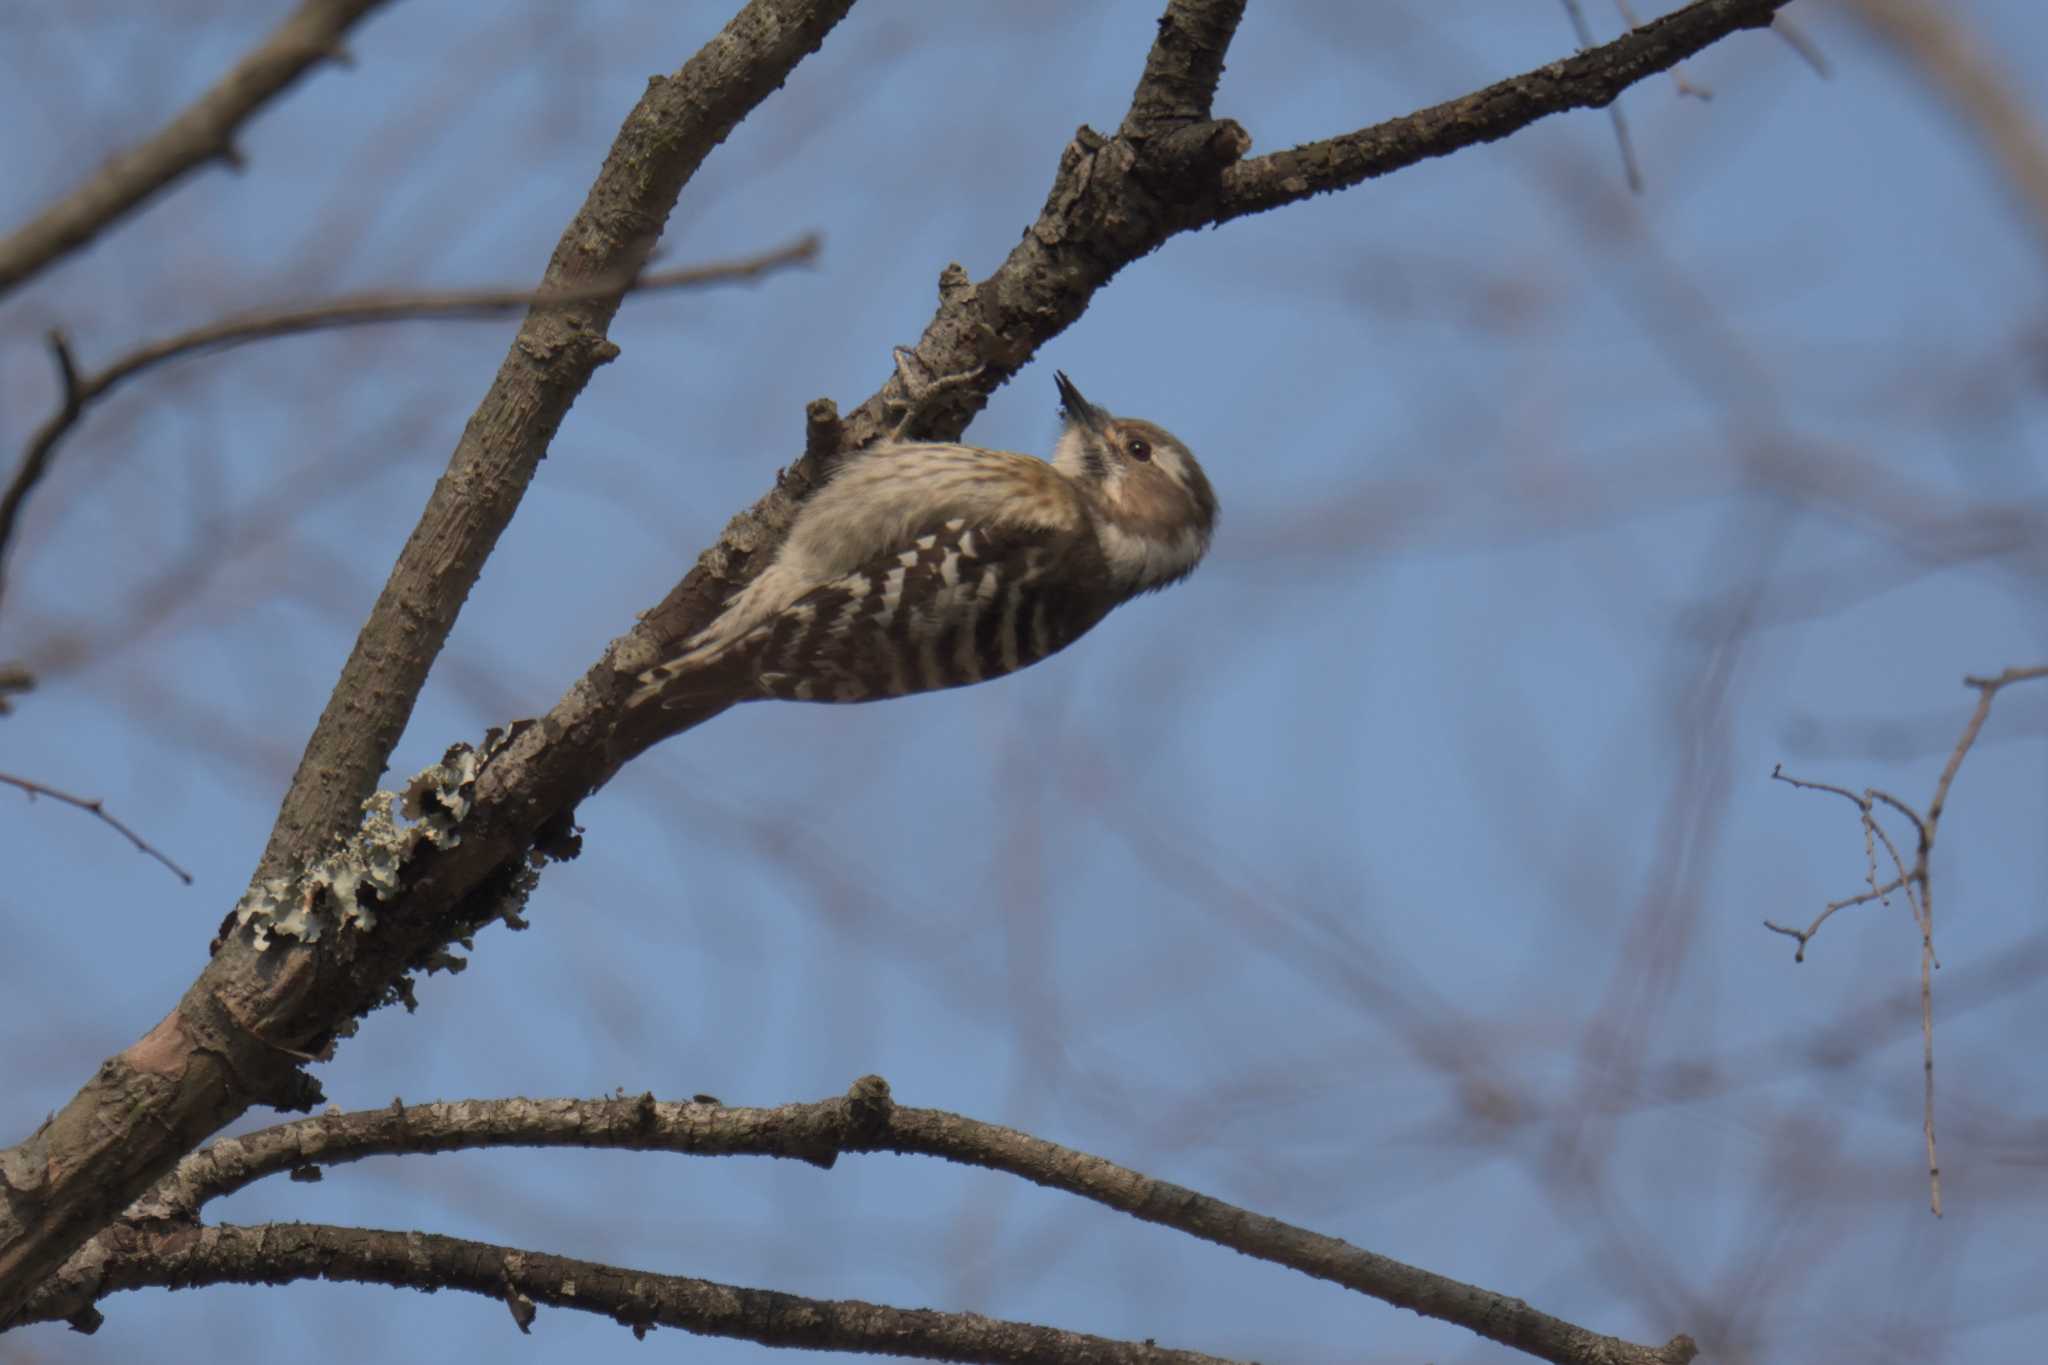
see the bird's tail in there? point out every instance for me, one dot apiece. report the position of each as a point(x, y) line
point(718, 672)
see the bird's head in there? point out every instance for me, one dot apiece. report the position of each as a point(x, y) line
point(1154, 508)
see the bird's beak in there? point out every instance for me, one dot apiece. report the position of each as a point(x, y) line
point(1078, 409)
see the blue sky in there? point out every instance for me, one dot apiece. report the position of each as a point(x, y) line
point(1401, 874)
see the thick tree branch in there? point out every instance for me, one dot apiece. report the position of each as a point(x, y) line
point(252, 1018)
point(1184, 66)
point(662, 143)
point(81, 391)
point(204, 132)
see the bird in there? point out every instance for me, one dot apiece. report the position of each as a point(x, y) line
point(920, 566)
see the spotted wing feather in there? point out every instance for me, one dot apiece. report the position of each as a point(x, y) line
point(958, 604)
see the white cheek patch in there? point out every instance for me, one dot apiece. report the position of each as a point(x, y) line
point(1145, 560)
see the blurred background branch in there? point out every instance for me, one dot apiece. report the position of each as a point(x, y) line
point(203, 132)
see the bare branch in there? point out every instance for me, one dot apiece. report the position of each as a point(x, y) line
point(1987, 692)
point(1589, 80)
point(80, 391)
point(1917, 881)
point(160, 1255)
point(203, 132)
point(94, 806)
point(1497, 1317)
point(1182, 70)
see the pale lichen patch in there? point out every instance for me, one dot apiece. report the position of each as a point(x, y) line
point(343, 889)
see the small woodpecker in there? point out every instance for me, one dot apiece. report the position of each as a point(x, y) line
point(921, 566)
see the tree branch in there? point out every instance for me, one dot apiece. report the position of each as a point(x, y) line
point(180, 1257)
point(1916, 882)
point(80, 391)
point(1184, 66)
point(92, 805)
point(1590, 80)
point(660, 146)
point(204, 132)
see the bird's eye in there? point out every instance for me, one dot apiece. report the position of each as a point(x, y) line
point(1137, 449)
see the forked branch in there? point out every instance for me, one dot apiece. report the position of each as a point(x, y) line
point(1914, 882)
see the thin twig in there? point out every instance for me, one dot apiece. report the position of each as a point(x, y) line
point(94, 806)
point(1587, 80)
point(1873, 832)
point(1916, 882)
point(203, 132)
point(1987, 690)
point(1876, 794)
point(80, 390)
